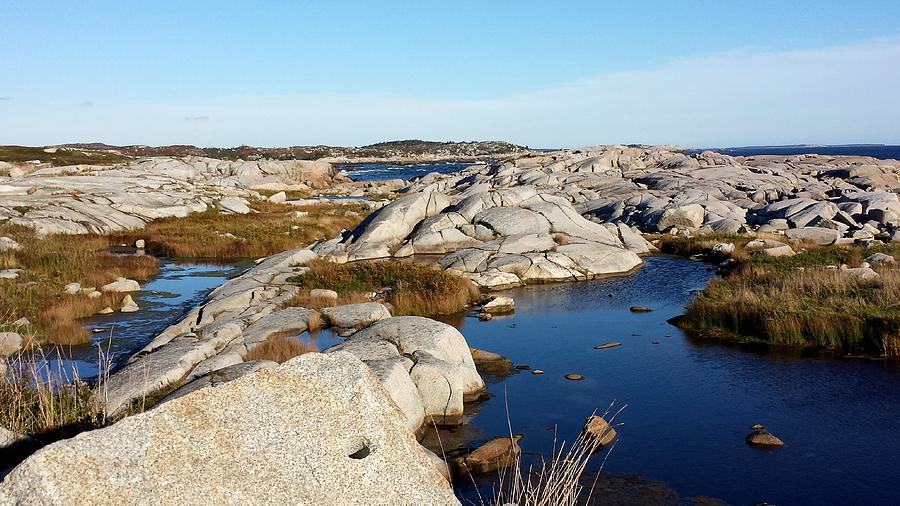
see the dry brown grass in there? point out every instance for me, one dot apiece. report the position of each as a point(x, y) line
point(812, 306)
point(34, 405)
point(892, 346)
point(271, 229)
point(561, 239)
point(303, 299)
point(412, 289)
point(280, 349)
point(796, 300)
point(39, 398)
point(50, 263)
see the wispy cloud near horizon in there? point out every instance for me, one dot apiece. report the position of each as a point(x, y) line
point(839, 94)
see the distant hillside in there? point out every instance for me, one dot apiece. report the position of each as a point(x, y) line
point(405, 149)
point(58, 155)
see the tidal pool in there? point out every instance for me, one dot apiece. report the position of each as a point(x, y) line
point(178, 288)
point(689, 403)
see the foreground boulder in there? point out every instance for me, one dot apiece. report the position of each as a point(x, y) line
point(316, 430)
point(426, 366)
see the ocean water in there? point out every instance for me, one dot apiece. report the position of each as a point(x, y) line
point(385, 171)
point(877, 151)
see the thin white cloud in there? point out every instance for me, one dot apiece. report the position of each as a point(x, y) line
point(749, 96)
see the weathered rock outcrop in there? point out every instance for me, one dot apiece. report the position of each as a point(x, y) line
point(498, 238)
point(316, 430)
point(426, 365)
point(658, 189)
point(237, 317)
point(101, 199)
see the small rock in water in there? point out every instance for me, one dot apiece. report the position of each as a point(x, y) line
point(761, 437)
point(498, 453)
point(128, 305)
point(654, 342)
point(523, 367)
point(106, 310)
point(608, 345)
point(499, 304)
point(97, 330)
point(490, 362)
point(485, 316)
point(640, 309)
point(574, 377)
point(537, 372)
point(600, 430)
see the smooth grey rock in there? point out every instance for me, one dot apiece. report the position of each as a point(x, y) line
point(880, 258)
point(494, 279)
point(500, 304)
point(689, 216)
point(8, 244)
point(323, 417)
point(121, 285)
point(355, 316)
point(818, 235)
point(10, 343)
point(292, 320)
point(323, 293)
point(234, 205)
point(219, 377)
point(507, 221)
point(440, 363)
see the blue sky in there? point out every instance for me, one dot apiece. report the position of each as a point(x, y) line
point(696, 73)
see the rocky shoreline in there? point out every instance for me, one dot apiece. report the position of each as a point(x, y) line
point(349, 414)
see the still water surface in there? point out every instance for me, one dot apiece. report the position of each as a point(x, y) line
point(691, 403)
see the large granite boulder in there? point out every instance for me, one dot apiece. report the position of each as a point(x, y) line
point(433, 354)
point(319, 429)
point(379, 234)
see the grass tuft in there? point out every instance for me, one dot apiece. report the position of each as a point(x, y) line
point(798, 300)
point(280, 349)
point(411, 288)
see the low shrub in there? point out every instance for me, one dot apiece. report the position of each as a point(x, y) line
point(412, 289)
